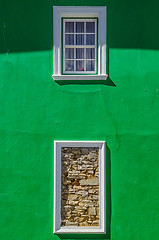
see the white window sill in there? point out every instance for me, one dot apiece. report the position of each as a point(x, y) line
point(80, 230)
point(79, 77)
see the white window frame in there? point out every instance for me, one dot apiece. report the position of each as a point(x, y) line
point(57, 187)
point(60, 12)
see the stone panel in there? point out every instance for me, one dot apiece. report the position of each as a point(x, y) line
point(80, 186)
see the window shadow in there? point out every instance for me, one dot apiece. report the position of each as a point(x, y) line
point(107, 82)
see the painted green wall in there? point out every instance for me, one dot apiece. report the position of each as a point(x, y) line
point(35, 110)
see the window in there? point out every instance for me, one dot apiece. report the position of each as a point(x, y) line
point(79, 187)
point(79, 35)
point(79, 46)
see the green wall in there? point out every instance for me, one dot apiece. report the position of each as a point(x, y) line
point(35, 111)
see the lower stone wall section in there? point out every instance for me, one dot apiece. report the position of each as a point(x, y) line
point(80, 186)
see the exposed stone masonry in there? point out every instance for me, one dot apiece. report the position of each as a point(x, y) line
point(80, 186)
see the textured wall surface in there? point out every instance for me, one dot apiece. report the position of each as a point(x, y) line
point(80, 186)
point(35, 111)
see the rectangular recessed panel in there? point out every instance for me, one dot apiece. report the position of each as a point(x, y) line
point(90, 39)
point(79, 53)
point(69, 27)
point(90, 65)
point(80, 186)
point(80, 65)
point(69, 53)
point(90, 53)
point(79, 39)
point(69, 39)
point(80, 27)
point(69, 65)
point(90, 27)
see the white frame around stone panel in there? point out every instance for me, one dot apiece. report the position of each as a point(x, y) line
point(57, 187)
point(60, 12)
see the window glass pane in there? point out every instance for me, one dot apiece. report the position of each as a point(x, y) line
point(79, 39)
point(80, 53)
point(69, 53)
point(69, 65)
point(69, 27)
point(69, 39)
point(79, 65)
point(90, 27)
point(90, 39)
point(90, 53)
point(90, 65)
point(79, 27)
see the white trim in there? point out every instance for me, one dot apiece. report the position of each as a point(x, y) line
point(79, 77)
point(85, 12)
point(57, 187)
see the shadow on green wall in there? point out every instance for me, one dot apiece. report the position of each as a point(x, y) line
point(108, 207)
point(27, 25)
point(108, 82)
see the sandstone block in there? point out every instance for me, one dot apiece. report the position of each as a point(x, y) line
point(73, 203)
point(83, 193)
point(79, 208)
point(85, 150)
point(92, 181)
point(86, 204)
point(71, 223)
point(90, 172)
point(93, 197)
point(67, 208)
point(91, 191)
point(66, 182)
point(92, 211)
point(95, 223)
point(84, 224)
point(81, 176)
point(72, 176)
point(72, 197)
